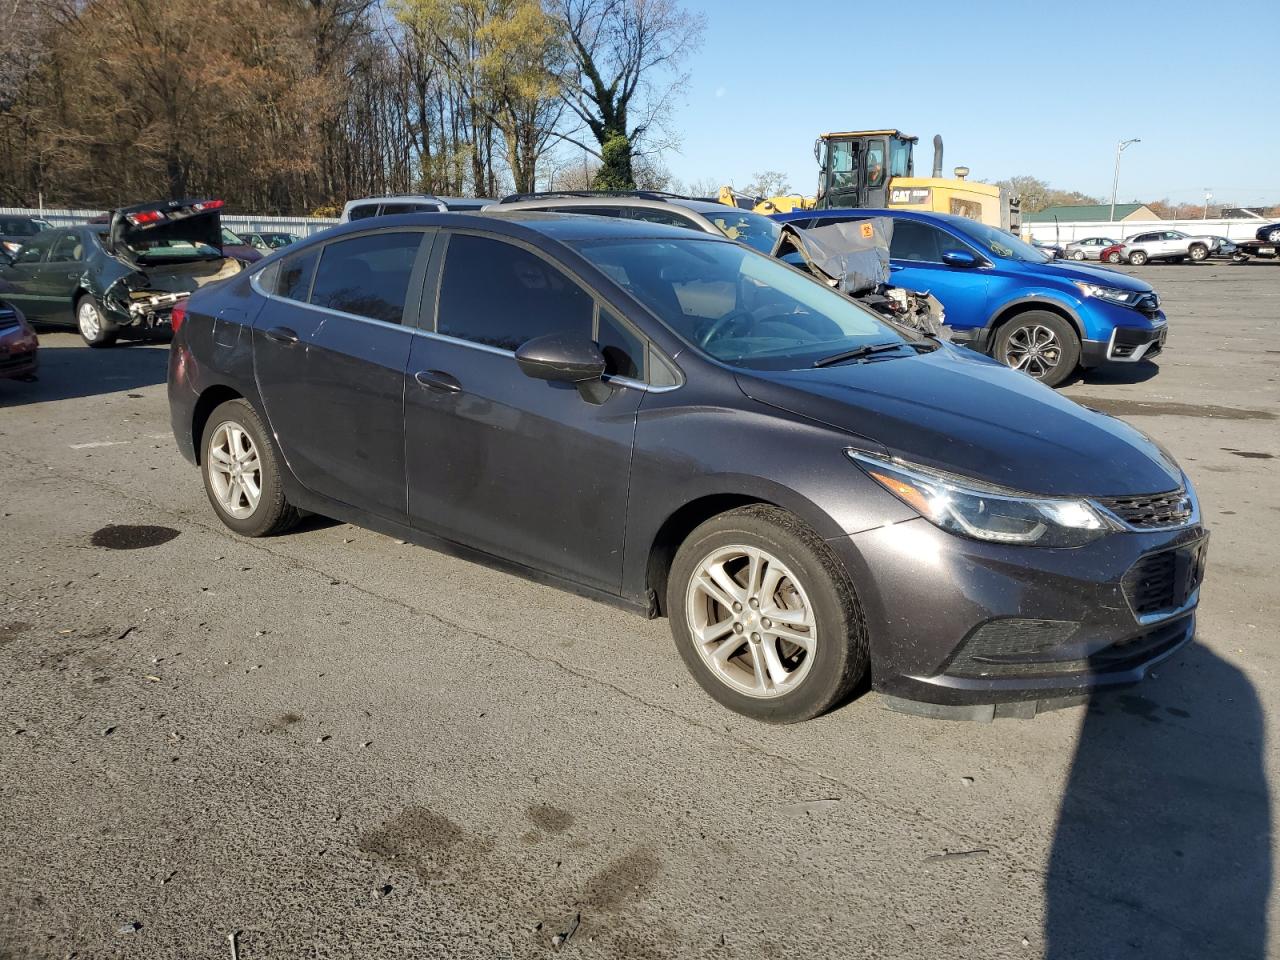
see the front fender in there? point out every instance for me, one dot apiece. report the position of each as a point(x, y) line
point(746, 451)
point(1041, 299)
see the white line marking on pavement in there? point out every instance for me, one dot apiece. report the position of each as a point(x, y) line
point(98, 443)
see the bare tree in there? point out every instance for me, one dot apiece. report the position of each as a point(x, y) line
point(628, 55)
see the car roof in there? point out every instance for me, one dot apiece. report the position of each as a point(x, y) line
point(598, 200)
point(528, 223)
point(924, 215)
point(394, 197)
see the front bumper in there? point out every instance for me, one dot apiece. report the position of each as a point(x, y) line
point(19, 356)
point(956, 622)
point(1125, 345)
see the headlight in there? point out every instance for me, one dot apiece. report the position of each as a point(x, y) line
point(1110, 294)
point(984, 512)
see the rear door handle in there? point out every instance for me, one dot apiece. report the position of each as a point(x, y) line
point(438, 380)
point(282, 335)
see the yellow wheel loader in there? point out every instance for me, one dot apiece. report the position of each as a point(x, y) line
point(876, 169)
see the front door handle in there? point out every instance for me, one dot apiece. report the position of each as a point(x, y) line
point(282, 335)
point(438, 380)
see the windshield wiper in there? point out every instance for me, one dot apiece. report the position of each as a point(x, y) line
point(858, 353)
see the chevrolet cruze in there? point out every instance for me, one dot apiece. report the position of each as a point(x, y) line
point(679, 424)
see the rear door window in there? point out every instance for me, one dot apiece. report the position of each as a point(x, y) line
point(367, 276)
point(502, 295)
point(68, 248)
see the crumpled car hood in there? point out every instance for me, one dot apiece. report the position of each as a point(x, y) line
point(958, 411)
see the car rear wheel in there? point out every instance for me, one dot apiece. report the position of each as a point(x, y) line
point(1113, 258)
point(1137, 258)
point(95, 329)
point(1274, 236)
point(1198, 252)
point(1078, 255)
point(764, 616)
point(1041, 344)
point(242, 473)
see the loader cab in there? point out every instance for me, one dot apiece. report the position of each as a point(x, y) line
point(856, 167)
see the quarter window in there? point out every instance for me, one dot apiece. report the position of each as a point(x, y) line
point(502, 295)
point(294, 277)
point(367, 276)
point(623, 349)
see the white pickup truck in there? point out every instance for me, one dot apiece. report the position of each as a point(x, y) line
point(1171, 245)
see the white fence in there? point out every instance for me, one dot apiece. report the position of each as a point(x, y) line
point(1066, 231)
point(303, 226)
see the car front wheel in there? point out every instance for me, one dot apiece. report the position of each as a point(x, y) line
point(1113, 258)
point(1041, 345)
point(1274, 236)
point(95, 328)
point(764, 616)
point(242, 474)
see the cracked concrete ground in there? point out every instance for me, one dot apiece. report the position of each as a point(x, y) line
point(333, 745)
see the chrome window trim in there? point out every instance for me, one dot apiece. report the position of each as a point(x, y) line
point(502, 352)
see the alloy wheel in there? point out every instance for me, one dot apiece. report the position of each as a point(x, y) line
point(235, 470)
point(1274, 236)
point(89, 320)
point(751, 621)
point(1033, 349)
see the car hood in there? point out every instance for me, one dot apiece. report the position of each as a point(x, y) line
point(1072, 270)
point(958, 411)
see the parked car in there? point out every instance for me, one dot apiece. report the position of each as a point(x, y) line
point(1270, 233)
point(236, 246)
point(1173, 246)
point(266, 241)
point(19, 345)
point(1006, 299)
point(1112, 254)
point(676, 423)
point(389, 206)
point(754, 229)
point(124, 279)
point(15, 231)
point(1090, 248)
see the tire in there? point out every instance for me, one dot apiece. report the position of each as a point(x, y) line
point(1137, 258)
point(1078, 255)
point(1040, 344)
point(1198, 252)
point(1274, 236)
point(96, 329)
point(236, 426)
point(812, 587)
point(1114, 258)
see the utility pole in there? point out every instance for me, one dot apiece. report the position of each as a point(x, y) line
point(1115, 183)
point(1207, 197)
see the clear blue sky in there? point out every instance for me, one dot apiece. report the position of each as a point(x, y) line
point(1013, 86)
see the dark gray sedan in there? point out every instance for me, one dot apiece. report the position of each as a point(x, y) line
point(676, 423)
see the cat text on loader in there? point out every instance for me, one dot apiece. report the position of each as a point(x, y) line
point(876, 169)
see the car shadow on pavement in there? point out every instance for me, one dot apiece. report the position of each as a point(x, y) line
point(1139, 372)
point(1163, 845)
point(69, 372)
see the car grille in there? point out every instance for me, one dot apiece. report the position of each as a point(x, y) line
point(1151, 511)
point(1165, 581)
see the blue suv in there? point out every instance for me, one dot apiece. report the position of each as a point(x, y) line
point(1005, 298)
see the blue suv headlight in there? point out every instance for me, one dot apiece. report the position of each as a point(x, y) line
point(1126, 298)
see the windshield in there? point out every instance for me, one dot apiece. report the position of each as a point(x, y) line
point(1002, 243)
point(739, 306)
point(755, 230)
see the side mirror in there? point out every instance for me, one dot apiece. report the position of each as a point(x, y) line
point(959, 258)
point(561, 358)
point(6, 258)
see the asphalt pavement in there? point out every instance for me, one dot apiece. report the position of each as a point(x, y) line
point(330, 744)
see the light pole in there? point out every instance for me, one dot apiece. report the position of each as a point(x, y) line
point(1207, 197)
point(1115, 183)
